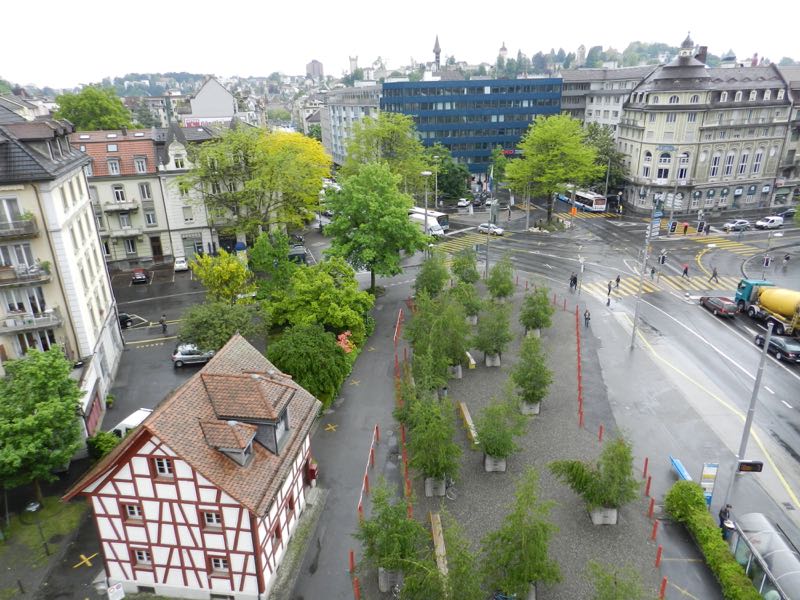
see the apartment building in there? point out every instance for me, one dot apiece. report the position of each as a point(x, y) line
point(343, 108)
point(788, 183)
point(53, 283)
point(127, 198)
point(714, 136)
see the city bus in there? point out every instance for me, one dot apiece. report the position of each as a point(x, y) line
point(588, 201)
point(441, 218)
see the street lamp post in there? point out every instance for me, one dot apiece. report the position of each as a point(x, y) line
point(766, 253)
point(426, 174)
point(436, 181)
point(527, 206)
point(642, 269)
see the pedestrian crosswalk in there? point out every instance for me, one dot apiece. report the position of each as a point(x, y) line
point(582, 214)
point(452, 245)
point(629, 286)
point(731, 245)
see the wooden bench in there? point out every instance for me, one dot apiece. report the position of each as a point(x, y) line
point(472, 433)
point(678, 467)
point(438, 542)
point(470, 360)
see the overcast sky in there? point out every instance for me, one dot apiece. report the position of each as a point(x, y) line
point(63, 43)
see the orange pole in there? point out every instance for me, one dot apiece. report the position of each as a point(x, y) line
point(377, 434)
point(658, 555)
point(372, 457)
point(366, 483)
point(663, 590)
point(360, 511)
point(410, 510)
point(356, 589)
point(600, 433)
point(403, 433)
point(655, 530)
point(647, 487)
point(352, 561)
point(644, 472)
point(652, 507)
point(580, 418)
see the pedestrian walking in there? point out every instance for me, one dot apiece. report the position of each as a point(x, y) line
point(609, 288)
point(616, 283)
point(713, 275)
point(725, 520)
point(509, 213)
point(685, 271)
point(586, 317)
point(685, 228)
point(652, 272)
point(573, 282)
point(163, 322)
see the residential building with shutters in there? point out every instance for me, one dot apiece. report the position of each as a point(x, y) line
point(203, 498)
point(788, 184)
point(714, 135)
point(54, 285)
point(126, 194)
point(344, 107)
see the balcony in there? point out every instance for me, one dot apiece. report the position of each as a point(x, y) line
point(20, 275)
point(16, 322)
point(24, 228)
point(126, 206)
point(125, 233)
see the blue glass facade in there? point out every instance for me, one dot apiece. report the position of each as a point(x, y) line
point(471, 118)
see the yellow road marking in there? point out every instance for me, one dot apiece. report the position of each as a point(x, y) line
point(371, 349)
point(684, 592)
point(85, 560)
point(159, 339)
point(355, 382)
point(331, 427)
point(732, 409)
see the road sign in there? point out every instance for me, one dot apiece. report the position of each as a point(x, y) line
point(750, 466)
point(655, 226)
point(707, 479)
point(701, 226)
point(657, 214)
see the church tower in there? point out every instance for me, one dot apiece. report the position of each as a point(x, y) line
point(436, 52)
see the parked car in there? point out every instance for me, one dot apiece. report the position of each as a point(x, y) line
point(769, 222)
point(722, 307)
point(139, 275)
point(187, 354)
point(788, 213)
point(462, 202)
point(490, 228)
point(478, 201)
point(784, 348)
point(181, 264)
point(736, 225)
point(125, 320)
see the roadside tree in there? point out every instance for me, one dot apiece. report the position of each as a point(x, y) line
point(451, 177)
point(39, 426)
point(326, 293)
point(536, 312)
point(554, 153)
point(225, 277)
point(313, 358)
point(93, 108)
point(611, 162)
point(210, 325)
point(269, 262)
point(465, 266)
point(494, 333)
point(251, 180)
point(432, 276)
point(516, 556)
point(370, 226)
point(434, 452)
point(531, 376)
point(501, 279)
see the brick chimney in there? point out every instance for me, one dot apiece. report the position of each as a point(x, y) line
point(754, 60)
point(702, 54)
point(124, 131)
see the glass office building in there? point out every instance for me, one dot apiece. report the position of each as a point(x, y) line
point(472, 117)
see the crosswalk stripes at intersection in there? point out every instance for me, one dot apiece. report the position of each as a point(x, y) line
point(454, 244)
point(731, 245)
point(629, 286)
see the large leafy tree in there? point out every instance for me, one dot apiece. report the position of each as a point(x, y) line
point(516, 555)
point(432, 276)
point(39, 426)
point(326, 293)
point(554, 153)
point(210, 325)
point(313, 358)
point(499, 163)
point(391, 139)
point(253, 179)
point(451, 177)
point(225, 277)
point(464, 266)
point(609, 159)
point(93, 108)
point(371, 224)
point(269, 261)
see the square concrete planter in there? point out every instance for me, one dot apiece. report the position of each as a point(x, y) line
point(492, 464)
point(434, 487)
point(492, 360)
point(603, 516)
point(456, 372)
point(386, 579)
point(530, 408)
point(472, 319)
point(537, 333)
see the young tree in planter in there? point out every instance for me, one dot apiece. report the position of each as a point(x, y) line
point(536, 312)
point(501, 279)
point(493, 333)
point(430, 371)
point(515, 556)
point(389, 537)
point(615, 583)
point(497, 426)
point(468, 296)
point(434, 453)
point(465, 267)
point(463, 570)
point(531, 376)
point(432, 276)
point(450, 333)
point(604, 486)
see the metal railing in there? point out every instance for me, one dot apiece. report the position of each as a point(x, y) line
point(23, 227)
point(29, 321)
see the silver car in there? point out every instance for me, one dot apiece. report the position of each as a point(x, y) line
point(187, 354)
point(490, 228)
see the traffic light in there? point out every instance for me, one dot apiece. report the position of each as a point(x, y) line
point(701, 226)
point(662, 259)
point(673, 226)
point(767, 260)
point(750, 466)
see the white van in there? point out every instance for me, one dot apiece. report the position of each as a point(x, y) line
point(131, 422)
point(769, 222)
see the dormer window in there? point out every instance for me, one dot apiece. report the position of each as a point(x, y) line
point(738, 96)
point(162, 467)
point(179, 162)
point(767, 94)
point(723, 97)
point(780, 95)
point(753, 95)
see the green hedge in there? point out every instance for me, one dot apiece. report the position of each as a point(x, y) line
point(686, 504)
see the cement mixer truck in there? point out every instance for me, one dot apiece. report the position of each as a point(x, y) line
point(763, 301)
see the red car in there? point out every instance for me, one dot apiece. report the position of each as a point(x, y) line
point(720, 307)
point(139, 275)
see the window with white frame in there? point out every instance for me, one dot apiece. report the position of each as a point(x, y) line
point(150, 218)
point(738, 96)
point(113, 167)
point(219, 564)
point(691, 117)
point(145, 192)
point(780, 95)
point(133, 511)
point(215, 188)
point(723, 97)
point(130, 246)
point(142, 557)
point(767, 94)
point(672, 117)
point(179, 161)
point(89, 170)
point(111, 147)
point(163, 467)
point(665, 158)
point(753, 95)
point(729, 158)
point(106, 248)
point(750, 198)
point(125, 220)
point(119, 193)
point(683, 166)
point(188, 214)
point(652, 117)
point(212, 519)
point(695, 99)
point(759, 156)
point(674, 99)
point(745, 156)
point(713, 168)
point(654, 99)
point(140, 164)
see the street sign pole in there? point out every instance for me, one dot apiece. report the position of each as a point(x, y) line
point(642, 269)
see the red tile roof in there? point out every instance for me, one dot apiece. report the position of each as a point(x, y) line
point(228, 434)
point(182, 420)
